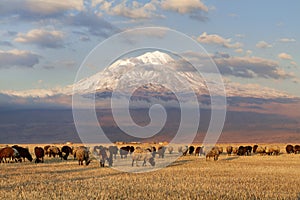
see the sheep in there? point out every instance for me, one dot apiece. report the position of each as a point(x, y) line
point(113, 150)
point(213, 153)
point(229, 150)
point(161, 151)
point(46, 149)
point(104, 154)
point(76, 148)
point(170, 149)
point(272, 150)
point(142, 155)
point(82, 154)
point(53, 151)
point(261, 150)
point(235, 150)
point(39, 154)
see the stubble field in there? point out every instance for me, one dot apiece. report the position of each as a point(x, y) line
point(189, 177)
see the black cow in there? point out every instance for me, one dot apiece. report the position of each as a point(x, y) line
point(289, 149)
point(191, 150)
point(24, 152)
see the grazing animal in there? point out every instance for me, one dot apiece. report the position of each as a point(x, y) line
point(249, 150)
point(82, 154)
point(272, 150)
point(220, 149)
point(124, 151)
point(243, 151)
point(185, 150)
point(114, 151)
point(170, 149)
point(8, 152)
point(161, 151)
point(46, 149)
point(213, 153)
point(24, 152)
point(66, 151)
point(261, 150)
point(229, 150)
point(289, 149)
point(103, 154)
point(199, 151)
point(191, 150)
point(17, 156)
point(76, 148)
point(39, 154)
point(131, 149)
point(151, 149)
point(235, 150)
point(254, 148)
point(142, 155)
point(54, 151)
point(297, 149)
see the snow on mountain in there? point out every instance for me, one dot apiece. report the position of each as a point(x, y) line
point(157, 68)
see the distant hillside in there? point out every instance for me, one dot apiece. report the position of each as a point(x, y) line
point(50, 126)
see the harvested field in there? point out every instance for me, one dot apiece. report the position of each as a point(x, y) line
point(189, 177)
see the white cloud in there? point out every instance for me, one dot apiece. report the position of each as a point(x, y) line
point(287, 40)
point(217, 39)
point(130, 9)
point(251, 67)
point(32, 9)
point(42, 38)
point(263, 45)
point(240, 50)
point(183, 7)
point(285, 56)
point(18, 58)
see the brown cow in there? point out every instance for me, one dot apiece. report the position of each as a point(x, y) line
point(297, 149)
point(39, 154)
point(8, 152)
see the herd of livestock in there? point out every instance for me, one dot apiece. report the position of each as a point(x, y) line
point(147, 155)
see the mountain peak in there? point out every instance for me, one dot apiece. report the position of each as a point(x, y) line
point(155, 57)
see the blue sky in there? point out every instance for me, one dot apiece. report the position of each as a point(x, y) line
point(43, 43)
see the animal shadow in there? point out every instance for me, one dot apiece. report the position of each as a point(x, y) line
point(231, 158)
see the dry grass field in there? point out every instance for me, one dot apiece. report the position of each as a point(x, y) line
point(189, 177)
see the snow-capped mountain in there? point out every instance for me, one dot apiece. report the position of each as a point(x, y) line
point(151, 72)
point(161, 73)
